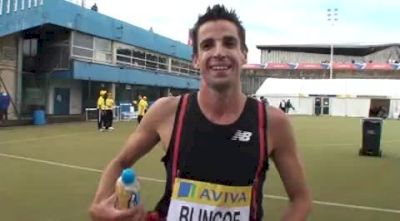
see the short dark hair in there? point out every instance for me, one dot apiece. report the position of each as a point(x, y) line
point(219, 12)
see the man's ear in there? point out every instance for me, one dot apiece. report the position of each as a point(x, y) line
point(195, 62)
point(244, 52)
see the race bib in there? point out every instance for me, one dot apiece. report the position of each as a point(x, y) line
point(202, 201)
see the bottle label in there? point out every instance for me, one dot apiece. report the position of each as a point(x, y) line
point(126, 199)
point(134, 200)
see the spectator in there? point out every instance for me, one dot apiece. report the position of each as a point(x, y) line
point(4, 104)
point(109, 112)
point(282, 106)
point(288, 106)
point(382, 112)
point(264, 100)
point(101, 113)
point(142, 108)
point(317, 106)
point(94, 7)
point(136, 102)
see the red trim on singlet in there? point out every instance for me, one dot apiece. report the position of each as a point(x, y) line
point(261, 135)
point(178, 133)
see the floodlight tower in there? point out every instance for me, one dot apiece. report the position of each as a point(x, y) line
point(333, 14)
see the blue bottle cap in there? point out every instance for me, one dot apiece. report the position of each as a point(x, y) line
point(128, 176)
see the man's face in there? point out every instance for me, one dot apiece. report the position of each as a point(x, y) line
point(219, 57)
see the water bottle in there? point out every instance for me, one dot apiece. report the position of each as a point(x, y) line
point(127, 188)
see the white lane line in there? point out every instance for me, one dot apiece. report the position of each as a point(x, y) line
point(352, 206)
point(324, 203)
point(53, 163)
point(40, 138)
point(73, 134)
point(346, 144)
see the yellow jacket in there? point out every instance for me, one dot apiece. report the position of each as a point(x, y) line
point(109, 104)
point(142, 106)
point(101, 103)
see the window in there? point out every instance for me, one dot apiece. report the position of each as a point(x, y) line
point(30, 47)
point(102, 44)
point(82, 40)
point(185, 67)
point(92, 48)
point(141, 58)
point(162, 63)
point(124, 56)
point(180, 66)
point(175, 66)
point(82, 52)
point(82, 46)
point(102, 49)
point(151, 61)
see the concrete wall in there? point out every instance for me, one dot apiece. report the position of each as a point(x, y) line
point(9, 68)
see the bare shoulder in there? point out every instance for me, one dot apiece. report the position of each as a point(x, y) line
point(163, 107)
point(279, 129)
point(277, 118)
point(161, 116)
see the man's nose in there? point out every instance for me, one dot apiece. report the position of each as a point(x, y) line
point(220, 50)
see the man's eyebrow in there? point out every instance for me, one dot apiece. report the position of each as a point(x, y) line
point(230, 38)
point(206, 40)
point(225, 38)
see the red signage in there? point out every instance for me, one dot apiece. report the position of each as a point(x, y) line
point(311, 66)
point(277, 66)
point(324, 66)
point(373, 66)
point(343, 66)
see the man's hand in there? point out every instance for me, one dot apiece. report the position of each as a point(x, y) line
point(106, 211)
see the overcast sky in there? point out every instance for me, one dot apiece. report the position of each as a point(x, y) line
point(269, 21)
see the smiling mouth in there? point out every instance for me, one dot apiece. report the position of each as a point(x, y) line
point(220, 67)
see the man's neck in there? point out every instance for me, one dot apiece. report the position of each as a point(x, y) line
point(222, 107)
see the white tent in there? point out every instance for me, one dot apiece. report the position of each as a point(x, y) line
point(342, 97)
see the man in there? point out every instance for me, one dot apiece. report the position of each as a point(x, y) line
point(264, 100)
point(288, 106)
point(215, 141)
point(142, 108)
point(109, 107)
point(101, 113)
point(4, 104)
point(282, 106)
point(94, 7)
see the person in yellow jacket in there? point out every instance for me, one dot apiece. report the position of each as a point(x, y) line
point(142, 108)
point(109, 111)
point(101, 106)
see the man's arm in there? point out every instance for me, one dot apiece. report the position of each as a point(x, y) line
point(138, 144)
point(289, 165)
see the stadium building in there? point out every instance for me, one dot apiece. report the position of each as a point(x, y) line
point(56, 56)
point(308, 61)
point(360, 80)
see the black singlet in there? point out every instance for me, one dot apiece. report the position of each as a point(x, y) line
point(234, 154)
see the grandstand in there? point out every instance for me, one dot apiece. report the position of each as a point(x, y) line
point(312, 61)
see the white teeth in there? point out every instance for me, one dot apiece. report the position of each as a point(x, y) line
point(219, 68)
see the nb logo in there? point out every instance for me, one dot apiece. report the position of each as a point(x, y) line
point(243, 136)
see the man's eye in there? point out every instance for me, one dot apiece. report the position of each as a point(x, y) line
point(230, 44)
point(205, 46)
